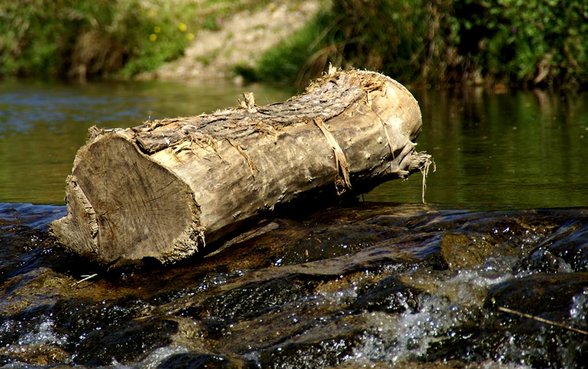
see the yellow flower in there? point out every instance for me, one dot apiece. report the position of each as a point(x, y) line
point(182, 27)
point(156, 29)
point(190, 36)
point(153, 37)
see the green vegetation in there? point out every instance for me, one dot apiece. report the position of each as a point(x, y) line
point(101, 38)
point(295, 60)
point(523, 42)
point(531, 42)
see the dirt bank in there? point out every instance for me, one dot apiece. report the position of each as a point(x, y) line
point(240, 40)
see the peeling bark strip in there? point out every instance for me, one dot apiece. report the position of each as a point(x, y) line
point(166, 188)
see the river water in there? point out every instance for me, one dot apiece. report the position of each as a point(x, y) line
point(388, 282)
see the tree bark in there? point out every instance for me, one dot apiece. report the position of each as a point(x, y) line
point(166, 188)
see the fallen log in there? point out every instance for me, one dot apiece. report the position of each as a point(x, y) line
point(166, 188)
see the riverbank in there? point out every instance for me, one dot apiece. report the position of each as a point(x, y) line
point(239, 41)
point(499, 44)
point(129, 39)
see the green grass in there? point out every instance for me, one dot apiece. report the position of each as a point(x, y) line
point(294, 60)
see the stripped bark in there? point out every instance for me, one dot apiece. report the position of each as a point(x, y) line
point(166, 188)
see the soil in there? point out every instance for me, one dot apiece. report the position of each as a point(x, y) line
point(240, 40)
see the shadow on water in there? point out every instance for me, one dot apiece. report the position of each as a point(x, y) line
point(470, 281)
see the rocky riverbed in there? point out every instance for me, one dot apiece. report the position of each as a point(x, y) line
point(371, 285)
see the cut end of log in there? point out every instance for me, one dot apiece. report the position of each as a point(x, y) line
point(124, 206)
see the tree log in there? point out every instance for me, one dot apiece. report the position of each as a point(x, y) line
point(166, 188)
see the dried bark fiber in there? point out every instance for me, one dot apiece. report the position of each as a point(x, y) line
point(166, 188)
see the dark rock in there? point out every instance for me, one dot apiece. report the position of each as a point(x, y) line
point(193, 360)
point(303, 355)
point(78, 318)
point(389, 295)
point(100, 332)
point(214, 327)
point(539, 293)
point(565, 250)
point(255, 298)
point(124, 342)
point(344, 288)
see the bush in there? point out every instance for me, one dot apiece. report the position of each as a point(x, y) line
point(530, 42)
point(98, 38)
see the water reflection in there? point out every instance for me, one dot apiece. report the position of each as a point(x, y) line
point(519, 150)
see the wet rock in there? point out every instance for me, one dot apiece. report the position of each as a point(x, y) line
point(255, 298)
point(276, 326)
point(214, 327)
point(542, 260)
point(465, 288)
point(574, 250)
point(198, 361)
point(462, 252)
point(539, 293)
point(442, 364)
point(536, 346)
point(328, 343)
point(389, 295)
point(539, 338)
point(122, 330)
point(125, 342)
point(339, 239)
point(309, 354)
point(78, 318)
point(13, 328)
point(472, 250)
point(37, 354)
point(368, 286)
point(565, 250)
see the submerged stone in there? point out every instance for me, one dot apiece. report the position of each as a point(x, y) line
point(389, 295)
point(374, 286)
point(539, 293)
point(255, 298)
point(462, 252)
point(565, 250)
point(193, 360)
point(127, 342)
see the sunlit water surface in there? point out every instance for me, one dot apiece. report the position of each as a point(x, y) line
point(388, 282)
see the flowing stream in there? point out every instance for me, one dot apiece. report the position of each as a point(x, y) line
point(492, 272)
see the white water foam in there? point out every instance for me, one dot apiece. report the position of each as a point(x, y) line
point(399, 339)
point(42, 334)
